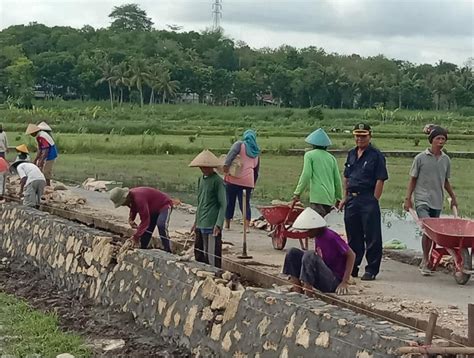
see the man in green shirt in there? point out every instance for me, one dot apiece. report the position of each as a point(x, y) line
point(210, 210)
point(321, 173)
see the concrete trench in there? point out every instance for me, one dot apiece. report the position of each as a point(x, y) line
point(186, 303)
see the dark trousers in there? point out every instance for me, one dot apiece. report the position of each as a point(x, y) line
point(234, 192)
point(321, 209)
point(364, 231)
point(311, 269)
point(160, 220)
point(208, 248)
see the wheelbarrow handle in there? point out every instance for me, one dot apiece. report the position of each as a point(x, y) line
point(415, 217)
point(455, 211)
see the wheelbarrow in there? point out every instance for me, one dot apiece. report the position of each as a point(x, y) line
point(281, 217)
point(450, 236)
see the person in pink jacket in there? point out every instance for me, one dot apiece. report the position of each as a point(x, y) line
point(246, 176)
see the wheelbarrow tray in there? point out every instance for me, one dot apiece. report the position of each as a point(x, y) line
point(279, 214)
point(449, 232)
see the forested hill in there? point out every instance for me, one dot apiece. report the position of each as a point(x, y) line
point(130, 60)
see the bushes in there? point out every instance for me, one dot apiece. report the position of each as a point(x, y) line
point(316, 113)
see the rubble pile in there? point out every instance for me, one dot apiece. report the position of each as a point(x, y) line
point(57, 193)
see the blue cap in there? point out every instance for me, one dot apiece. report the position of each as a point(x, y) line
point(319, 138)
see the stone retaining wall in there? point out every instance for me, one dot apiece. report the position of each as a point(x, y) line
point(186, 302)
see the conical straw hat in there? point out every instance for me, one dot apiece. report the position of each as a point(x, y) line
point(22, 148)
point(205, 159)
point(309, 219)
point(32, 128)
point(44, 126)
point(319, 138)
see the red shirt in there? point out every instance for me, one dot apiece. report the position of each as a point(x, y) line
point(147, 202)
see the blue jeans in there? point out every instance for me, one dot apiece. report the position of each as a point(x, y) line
point(232, 193)
point(160, 220)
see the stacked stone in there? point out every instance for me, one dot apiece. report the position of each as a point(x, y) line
point(189, 303)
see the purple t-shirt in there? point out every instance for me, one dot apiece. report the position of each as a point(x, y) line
point(333, 250)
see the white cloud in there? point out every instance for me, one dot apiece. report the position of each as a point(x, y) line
point(414, 30)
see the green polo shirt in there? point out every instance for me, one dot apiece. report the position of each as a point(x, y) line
point(321, 173)
point(211, 202)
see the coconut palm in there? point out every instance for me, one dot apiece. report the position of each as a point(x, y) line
point(139, 75)
point(153, 80)
point(107, 75)
point(121, 78)
point(166, 86)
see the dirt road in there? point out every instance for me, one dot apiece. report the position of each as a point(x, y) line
point(399, 288)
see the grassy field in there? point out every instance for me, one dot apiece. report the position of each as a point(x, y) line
point(153, 145)
point(180, 144)
point(25, 332)
point(278, 178)
point(96, 117)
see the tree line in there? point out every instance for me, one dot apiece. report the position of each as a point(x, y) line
point(132, 61)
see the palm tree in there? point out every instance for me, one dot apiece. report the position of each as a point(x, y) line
point(166, 86)
point(121, 78)
point(153, 80)
point(107, 75)
point(139, 75)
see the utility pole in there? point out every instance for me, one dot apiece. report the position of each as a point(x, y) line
point(216, 15)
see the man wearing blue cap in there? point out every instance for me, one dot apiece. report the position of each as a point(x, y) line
point(364, 176)
point(321, 173)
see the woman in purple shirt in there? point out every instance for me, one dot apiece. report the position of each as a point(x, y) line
point(327, 268)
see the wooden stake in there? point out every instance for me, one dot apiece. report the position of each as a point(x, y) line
point(430, 328)
point(435, 350)
point(470, 325)
point(244, 214)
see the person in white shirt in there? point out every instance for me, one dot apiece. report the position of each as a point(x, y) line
point(32, 182)
point(3, 142)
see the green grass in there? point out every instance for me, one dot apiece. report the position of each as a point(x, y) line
point(154, 144)
point(96, 117)
point(26, 331)
point(278, 176)
point(180, 144)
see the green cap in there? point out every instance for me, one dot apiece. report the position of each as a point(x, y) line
point(118, 196)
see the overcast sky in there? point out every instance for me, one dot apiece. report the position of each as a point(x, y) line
point(415, 30)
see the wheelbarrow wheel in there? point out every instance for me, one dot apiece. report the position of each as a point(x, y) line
point(461, 277)
point(278, 238)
